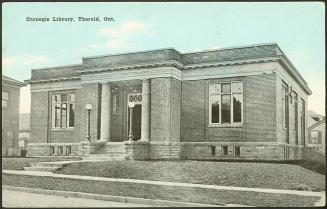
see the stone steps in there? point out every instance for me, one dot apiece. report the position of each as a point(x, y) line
point(96, 157)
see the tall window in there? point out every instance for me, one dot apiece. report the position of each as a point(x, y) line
point(296, 117)
point(63, 110)
point(5, 99)
point(225, 103)
point(285, 110)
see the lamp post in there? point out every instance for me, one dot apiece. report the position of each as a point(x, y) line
point(130, 133)
point(88, 108)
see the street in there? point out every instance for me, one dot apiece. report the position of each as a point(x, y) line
point(32, 200)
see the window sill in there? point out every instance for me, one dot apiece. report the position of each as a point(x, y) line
point(62, 129)
point(225, 125)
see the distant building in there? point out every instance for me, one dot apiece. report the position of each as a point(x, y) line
point(24, 130)
point(235, 103)
point(10, 116)
point(316, 131)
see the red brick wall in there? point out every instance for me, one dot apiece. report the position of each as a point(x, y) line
point(193, 123)
point(39, 117)
point(90, 94)
point(165, 109)
point(160, 109)
point(259, 121)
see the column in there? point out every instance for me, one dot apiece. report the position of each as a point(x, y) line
point(105, 112)
point(130, 131)
point(145, 119)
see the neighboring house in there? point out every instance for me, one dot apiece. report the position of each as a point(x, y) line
point(243, 102)
point(316, 131)
point(10, 116)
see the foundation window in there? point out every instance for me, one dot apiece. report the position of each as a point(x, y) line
point(213, 150)
point(52, 150)
point(237, 151)
point(60, 150)
point(68, 150)
point(225, 150)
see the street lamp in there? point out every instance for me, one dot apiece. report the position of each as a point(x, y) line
point(130, 133)
point(88, 108)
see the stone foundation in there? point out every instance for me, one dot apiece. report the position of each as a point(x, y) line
point(246, 150)
point(143, 150)
point(10, 151)
point(53, 150)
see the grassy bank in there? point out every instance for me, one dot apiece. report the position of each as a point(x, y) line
point(19, 163)
point(195, 195)
point(243, 174)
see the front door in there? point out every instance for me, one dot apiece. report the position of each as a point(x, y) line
point(136, 117)
point(136, 121)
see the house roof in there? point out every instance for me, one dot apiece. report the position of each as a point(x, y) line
point(323, 120)
point(11, 81)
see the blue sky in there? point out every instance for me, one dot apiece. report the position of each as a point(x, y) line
point(298, 28)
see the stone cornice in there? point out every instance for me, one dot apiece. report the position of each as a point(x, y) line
point(294, 73)
point(226, 63)
point(169, 63)
point(53, 80)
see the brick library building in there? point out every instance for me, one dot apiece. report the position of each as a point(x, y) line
point(234, 103)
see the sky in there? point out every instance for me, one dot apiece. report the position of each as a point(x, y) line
point(297, 27)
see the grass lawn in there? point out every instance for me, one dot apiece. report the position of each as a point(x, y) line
point(19, 163)
point(243, 174)
point(196, 195)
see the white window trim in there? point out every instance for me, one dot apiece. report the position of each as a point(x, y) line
point(8, 101)
point(53, 128)
point(232, 124)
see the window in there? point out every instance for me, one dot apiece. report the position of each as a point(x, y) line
point(237, 151)
point(225, 101)
point(5, 99)
point(68, 150)
point(315, 137)
point(60, 150)
point(52, 150)
point(63, 111)
point(225, 150)
point(213, 150)
point(296, 117)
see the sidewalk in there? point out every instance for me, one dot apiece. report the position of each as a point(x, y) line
point(162, 183)
point(14, 198)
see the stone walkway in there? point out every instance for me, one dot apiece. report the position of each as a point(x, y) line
point(22, 199)
point(164, 183)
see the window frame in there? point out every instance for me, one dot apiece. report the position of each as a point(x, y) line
point(318, 136)
point(8, 100)
point(60, 103)
point(232, 123)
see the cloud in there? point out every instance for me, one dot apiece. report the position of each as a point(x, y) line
point(89, 48)
point(114, 44)
point(8, 61)
point(33, 59)
point(125, 29)
point(117, 44)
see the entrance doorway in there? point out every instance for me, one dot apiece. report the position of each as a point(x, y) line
point(136, 121)
point(136, 117)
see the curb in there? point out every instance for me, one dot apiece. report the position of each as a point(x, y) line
point(134, 200)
